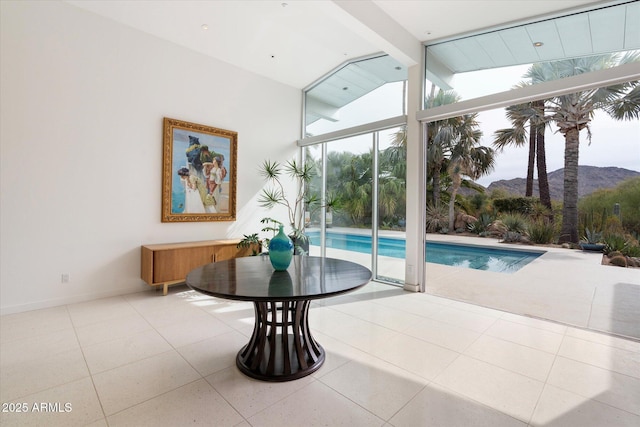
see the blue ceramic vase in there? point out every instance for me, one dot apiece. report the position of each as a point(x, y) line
point(280, 250)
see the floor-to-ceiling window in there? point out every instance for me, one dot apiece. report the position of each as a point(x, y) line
point(554, 66)
point(354, 135)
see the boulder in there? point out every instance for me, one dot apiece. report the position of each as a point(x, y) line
point(462, 221)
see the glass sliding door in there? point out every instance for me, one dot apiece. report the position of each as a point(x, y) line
point(362, 215)
point(348, 174)
point(314, 220)
point(389, 235)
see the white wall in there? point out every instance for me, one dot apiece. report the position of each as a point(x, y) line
point(82, 102)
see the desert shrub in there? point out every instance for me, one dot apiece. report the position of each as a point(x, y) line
point(479, 202)
point(481, 225)
point(632, 251)
point(595, 222)
point(511, 237)
point(500, 193)
point(539, 211)
point(437, 218)
point(523, 205)
point(463, 205)
point(541, 231)
point(613, 225)
point(627, 194)
point(516, 226)
point(614, 242)
point(516, 223)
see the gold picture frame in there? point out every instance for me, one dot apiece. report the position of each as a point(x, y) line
point(199, 172)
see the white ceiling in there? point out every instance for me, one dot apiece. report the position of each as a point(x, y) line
point(298, 41)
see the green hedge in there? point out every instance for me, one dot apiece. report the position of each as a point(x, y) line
point(523, 205)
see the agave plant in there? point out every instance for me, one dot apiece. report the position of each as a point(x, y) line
point(591, 236)
point(481, 225)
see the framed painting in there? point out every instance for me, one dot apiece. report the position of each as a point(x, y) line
point(199, 172)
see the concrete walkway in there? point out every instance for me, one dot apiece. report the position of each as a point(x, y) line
point(562, 285)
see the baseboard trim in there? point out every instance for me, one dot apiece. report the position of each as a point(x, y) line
point(73, 299)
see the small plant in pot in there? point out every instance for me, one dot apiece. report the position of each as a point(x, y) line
point(592, 241)
point(254, 241)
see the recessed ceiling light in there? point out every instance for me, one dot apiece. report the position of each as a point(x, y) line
point(398, 68)
point(204, 26)
point(538, 44)
point(345, 88)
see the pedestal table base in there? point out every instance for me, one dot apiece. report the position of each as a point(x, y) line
point(281, 347)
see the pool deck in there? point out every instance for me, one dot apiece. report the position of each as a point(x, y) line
point(563, 285)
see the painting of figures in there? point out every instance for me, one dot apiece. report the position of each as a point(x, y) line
point(199, 172)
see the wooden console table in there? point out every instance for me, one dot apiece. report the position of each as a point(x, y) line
point(167, 264)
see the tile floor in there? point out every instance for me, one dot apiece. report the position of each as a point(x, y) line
point(393, 359)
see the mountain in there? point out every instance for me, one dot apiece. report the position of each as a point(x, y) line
point(590, 179)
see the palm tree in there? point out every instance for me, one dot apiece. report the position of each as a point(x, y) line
point(573, 113)
point(467, 158)
point(440, 135)
point(392, 170)
point(349, 177)
point(541, 157)
point(396, 155)
point(521, 115)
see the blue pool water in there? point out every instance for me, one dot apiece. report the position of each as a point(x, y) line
point(476, 257)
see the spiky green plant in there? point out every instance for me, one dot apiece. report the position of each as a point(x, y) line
point(541, 231)
point(481, 225)
point(516, 223)
point(591, 236)
point(614, 242)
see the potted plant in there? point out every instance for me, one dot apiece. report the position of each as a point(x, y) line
point(254, 241)
point(301, 204)
point(275, 194)
point(591, 241)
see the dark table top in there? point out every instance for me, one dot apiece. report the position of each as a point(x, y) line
point(254, 279)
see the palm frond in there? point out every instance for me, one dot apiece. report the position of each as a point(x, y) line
point(270, 170)
point(627, 107)
point(504, 137)
point(271, 197)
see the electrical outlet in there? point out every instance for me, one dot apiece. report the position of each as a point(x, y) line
point(65, 278)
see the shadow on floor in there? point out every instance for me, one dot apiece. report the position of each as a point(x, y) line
point(617, 310)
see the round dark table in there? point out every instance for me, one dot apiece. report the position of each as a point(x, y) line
point(281, 347)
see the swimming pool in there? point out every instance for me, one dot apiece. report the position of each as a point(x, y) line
point(457, 255)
